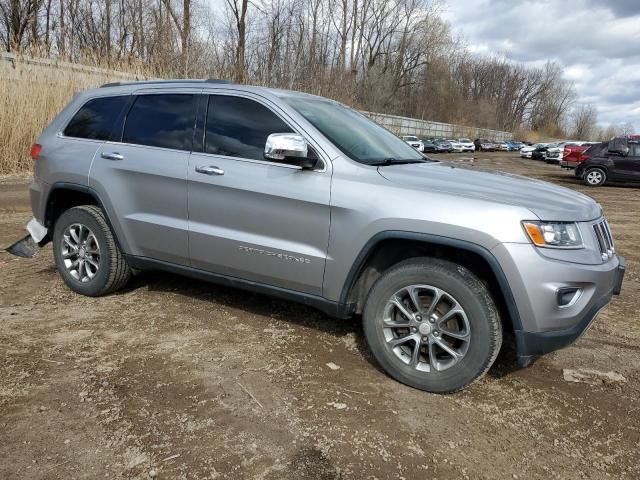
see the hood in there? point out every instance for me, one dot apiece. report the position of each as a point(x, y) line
point(545, 200)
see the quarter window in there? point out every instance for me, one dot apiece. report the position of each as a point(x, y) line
point(96, 118)
point(239, 127)
point(161, 121)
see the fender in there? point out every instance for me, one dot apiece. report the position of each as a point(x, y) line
point(88, 191)
point(483, 252)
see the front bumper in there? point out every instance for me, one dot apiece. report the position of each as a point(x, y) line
point(533, 344)
point(536, 279)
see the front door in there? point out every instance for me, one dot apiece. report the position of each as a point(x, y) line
point(251, 218)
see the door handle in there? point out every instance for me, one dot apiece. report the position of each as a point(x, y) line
point(112, 156)
point(210, 170)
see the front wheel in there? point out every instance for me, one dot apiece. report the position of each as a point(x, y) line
point(432, 324)
point(594, 177)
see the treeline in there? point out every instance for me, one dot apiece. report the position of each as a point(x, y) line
point(392, 56)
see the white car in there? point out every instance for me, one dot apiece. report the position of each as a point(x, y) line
point(455, 145)
point(555, 151)
point(466, 145)
point(527, 150)
point(414, 141)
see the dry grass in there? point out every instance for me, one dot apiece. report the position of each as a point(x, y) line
point(31, 94)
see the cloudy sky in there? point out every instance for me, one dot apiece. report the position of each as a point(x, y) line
point(597, 41)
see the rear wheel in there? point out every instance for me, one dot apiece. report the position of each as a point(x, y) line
point(594, 177)
point(86, 253)
point(432, 324)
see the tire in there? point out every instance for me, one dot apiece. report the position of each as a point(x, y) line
point(89, 259)
point(436, 370)
point(594, 177)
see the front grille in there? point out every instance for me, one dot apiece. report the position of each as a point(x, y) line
point(605, 240)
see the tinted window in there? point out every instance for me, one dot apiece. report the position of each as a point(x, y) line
point(634, 149)
point(96, 118)
point(239, 127)
point(617, 144)
point(596, 149)
point(161, 121)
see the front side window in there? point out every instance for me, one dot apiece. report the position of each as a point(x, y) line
point(634, 149)
point(239, 127)
point(355, 135)
point(164, 120)
point(96, 119)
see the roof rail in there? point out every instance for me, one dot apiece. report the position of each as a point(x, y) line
point(160, 82)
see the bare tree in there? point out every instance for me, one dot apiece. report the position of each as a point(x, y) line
point(585, 119)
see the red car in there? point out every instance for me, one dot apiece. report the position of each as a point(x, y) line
point(575, 154)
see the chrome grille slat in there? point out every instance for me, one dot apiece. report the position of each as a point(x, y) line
point(604, 238)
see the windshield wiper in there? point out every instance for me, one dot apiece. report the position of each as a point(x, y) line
point(394, 161)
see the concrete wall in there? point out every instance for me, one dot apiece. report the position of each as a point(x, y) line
point(424, 128)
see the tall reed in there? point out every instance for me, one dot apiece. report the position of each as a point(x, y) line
point(32, 92)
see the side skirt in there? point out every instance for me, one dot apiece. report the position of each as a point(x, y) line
point(333, 309)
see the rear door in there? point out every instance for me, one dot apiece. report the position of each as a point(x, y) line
point(142, 176)
point(630, 164)
point(251, 218)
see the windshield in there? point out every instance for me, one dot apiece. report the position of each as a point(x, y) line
point(411, 139)
point(464, 140)
point(358, 137)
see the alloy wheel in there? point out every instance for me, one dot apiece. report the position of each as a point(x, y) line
point(426, 328)
point(80, 252)
point(594, 177)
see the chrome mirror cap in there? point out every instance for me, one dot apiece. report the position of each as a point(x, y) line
point(279, 146)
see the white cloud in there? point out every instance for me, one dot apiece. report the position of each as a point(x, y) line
point(597, 42)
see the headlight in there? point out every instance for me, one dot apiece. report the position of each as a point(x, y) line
point(554, 234)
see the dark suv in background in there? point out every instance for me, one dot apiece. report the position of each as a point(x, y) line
point(618, 161)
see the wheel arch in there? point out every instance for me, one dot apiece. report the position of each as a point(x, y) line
point(388, 248)
point(64, 195)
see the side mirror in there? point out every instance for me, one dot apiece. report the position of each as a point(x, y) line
point(288, 148)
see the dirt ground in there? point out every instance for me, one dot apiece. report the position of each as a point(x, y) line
point(177, 378)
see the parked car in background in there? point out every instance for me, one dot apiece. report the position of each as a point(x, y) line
point(455, 145)
point(618, 162)
point(553, 153)
point(501, 146)
point(414, 141)
point(538, 152)
point(576, 154)
point(428, 146)
point(527, 150)
point(514, 146)
point(443, 146)
point(483, 144)
point(466, 145)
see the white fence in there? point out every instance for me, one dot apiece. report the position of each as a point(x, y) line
point(425, 128)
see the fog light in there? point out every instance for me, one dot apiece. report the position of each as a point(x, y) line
point(568, 296)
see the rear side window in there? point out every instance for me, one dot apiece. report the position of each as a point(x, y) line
point(96, 118)
point(239, 127)
point(596, 149)
point(617, 144)
point(161, 121)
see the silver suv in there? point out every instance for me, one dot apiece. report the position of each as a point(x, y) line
point(302, 198)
